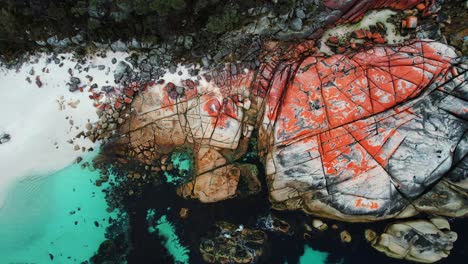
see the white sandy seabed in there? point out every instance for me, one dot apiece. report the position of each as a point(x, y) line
point(39, 129)
point(45, 205)
point(47, 211)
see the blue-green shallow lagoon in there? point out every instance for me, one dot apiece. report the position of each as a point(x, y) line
point(63, 214)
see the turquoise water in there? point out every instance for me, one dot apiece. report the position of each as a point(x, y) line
point(54, 214)
point(182, 160)
point(312, 256)
point(167, 230)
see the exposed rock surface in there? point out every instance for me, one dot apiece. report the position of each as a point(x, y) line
point(360, 136)
point(233, 244)
point(419, 240)
point(356, 136)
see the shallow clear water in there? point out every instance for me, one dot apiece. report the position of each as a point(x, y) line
point(39, 217)
point(167, 231)
point(312, 256)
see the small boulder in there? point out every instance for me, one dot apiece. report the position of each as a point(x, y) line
point(319, 224)
point(345, 236)
point(183, 213)
point(370, 235)
point(418, 240)
point(296, 24)
point(121, 70)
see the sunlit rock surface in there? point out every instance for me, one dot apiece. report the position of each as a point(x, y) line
point(420, 240)
point(359, 136)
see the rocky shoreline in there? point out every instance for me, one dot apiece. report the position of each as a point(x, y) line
point(275, 114)
point(210, 158)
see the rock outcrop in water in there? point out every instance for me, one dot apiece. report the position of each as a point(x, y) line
point(420, 240)
point(356, 137)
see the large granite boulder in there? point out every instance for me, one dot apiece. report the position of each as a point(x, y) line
point(359, 137)
point(419, 240)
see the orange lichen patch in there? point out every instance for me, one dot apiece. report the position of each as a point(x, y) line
point(348, 161)
point(333, 39)
point(329, 92)
point(361, 34)
point(298, 51)
point(219, 112)
point(212, 107)
point(361, 203)
point(411, 22)
point(167, 102)
point(334, 140)
point(380, 137)
point(342, 117)
point(190, 94)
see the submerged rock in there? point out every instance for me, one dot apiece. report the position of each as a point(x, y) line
point(184, 213)
point(233, 244)
point(419, 240)
point(345, 236)
point(273, 223)
point(370, 235)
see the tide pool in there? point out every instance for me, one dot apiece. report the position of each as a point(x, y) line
point(60, 216)
point(182, 162)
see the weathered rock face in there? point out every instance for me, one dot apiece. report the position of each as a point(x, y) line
point(212, 116)
point(360, 136)
point(233, 244)
point(218, 185)
point(356, 137)
point(420, 240)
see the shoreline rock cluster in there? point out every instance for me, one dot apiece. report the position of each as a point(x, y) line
point(424, 241)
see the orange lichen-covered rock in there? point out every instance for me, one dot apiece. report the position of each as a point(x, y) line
point(410, 22)
point(358, 136)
